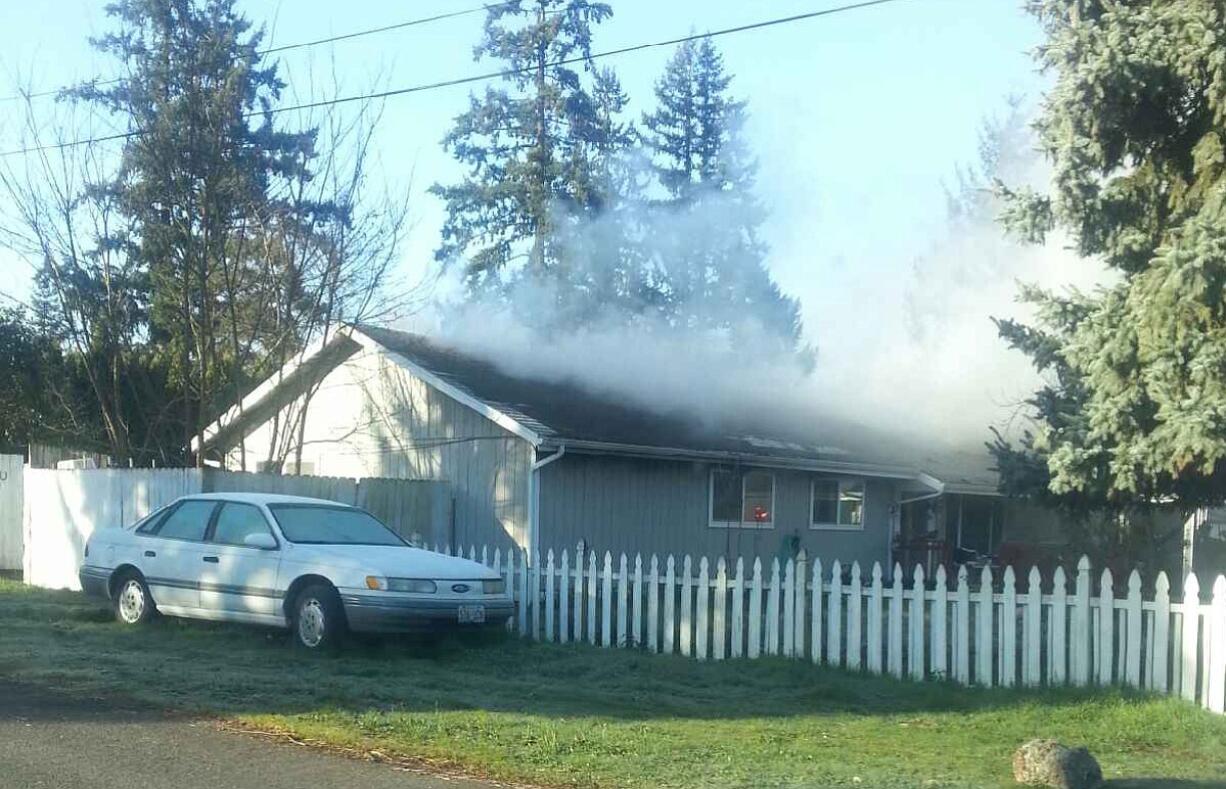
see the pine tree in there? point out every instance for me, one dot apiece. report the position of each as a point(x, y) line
point(531, 147)
point(714, 258)
point(1135, 127)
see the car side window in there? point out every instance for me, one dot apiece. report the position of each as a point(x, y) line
point(236, 521)
point(188, 521)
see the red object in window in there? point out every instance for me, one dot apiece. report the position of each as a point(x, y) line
point(760, 514)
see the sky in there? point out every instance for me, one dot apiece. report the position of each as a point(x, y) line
point(858, 119)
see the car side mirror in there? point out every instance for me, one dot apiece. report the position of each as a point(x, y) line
point(262, 540)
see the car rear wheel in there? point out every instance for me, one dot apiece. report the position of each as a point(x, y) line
point(132, 601)
point(319, 622)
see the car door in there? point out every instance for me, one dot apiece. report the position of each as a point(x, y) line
point(172, 554)
point(239, 581)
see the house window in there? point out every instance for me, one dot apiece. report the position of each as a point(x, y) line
point(742, 499)
point(838, 504)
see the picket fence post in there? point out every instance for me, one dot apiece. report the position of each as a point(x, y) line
point(701, 607)
point(1132, 632)
point(670, 606)
point(1216, 691)
point(623, 593)
point(801, 604)
point(549, 599)
point(874, 645)
point(564, 602)
point(528, 603)
point(606, 602)
point(815, 621)
point(1106, 625)
point(1161, 635)
point(591, 597)
point(637, 598)
point(719, 633)
point(915, 625)
point(940, 609)
point(577, 618)
point(737, 645)
point(1080, 635)
point(789, 608)
point(983, 629)
point(1057, 656)
point(962, 645)
point(755, 611)
point(834, 616)
point(1190, 639)
point(687, 607)
point(1008, 630)
point(854, 604)
point(772, 610)
point(894, 624)
point(1032, 630)
point(653, 606)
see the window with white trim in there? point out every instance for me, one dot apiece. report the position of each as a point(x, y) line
point(837, 504)
point(742, 498)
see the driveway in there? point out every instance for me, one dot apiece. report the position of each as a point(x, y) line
point(53, 741)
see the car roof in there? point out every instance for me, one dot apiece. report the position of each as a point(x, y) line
point(264, 498)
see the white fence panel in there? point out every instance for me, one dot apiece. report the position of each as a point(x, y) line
point(12, 540)
point(62, 509)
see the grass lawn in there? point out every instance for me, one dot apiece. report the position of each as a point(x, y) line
point(580, 716)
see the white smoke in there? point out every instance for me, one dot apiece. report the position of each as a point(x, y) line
point(925, 363)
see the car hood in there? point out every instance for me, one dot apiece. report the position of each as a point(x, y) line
point(396, 561)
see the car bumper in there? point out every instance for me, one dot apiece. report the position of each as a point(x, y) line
point(95, 582)
point(372, 614)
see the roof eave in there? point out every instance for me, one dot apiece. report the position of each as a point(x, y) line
point(744, 458)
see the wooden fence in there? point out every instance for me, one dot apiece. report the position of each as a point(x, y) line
point(1084, 630)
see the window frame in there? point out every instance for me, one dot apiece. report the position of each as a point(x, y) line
point(742, 523)
point(211, 534)
point(841, 482)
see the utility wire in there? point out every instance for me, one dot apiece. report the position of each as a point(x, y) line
point(492, 74)
point(305, 44)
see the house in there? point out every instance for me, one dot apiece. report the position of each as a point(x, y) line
point(541, 464)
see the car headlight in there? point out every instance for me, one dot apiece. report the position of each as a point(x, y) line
point(418, 585)
point(498, 586)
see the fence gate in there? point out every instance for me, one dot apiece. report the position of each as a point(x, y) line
point(10, 512)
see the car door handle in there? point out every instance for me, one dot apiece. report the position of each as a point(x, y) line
point(211, 559)
point(151, 554)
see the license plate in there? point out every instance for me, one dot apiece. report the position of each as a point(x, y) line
point(471, 614)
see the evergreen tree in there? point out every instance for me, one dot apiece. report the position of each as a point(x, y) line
point(195, 180)
point(714, 258)
point(1135, 126)
point(536, 149)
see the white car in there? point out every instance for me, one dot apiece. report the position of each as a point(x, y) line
point(316, 567)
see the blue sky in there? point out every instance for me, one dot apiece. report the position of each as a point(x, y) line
point(857, 118)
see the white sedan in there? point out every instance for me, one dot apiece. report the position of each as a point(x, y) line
point(316, 567)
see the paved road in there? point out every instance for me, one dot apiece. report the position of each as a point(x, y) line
point(51, 741)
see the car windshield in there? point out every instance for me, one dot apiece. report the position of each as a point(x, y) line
point(318, 524)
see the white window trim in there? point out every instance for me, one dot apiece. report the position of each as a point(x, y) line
point(816, 526)
point(714, 524)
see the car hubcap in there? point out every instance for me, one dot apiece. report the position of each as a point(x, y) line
point(311, 623)
point(132, 602)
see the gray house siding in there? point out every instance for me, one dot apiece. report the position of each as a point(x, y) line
point(371, 417)
point(623, 504)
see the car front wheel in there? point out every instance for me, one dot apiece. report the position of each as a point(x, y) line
point(133, 603)
point(319, 622)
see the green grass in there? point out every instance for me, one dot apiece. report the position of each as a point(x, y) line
point(580, 716)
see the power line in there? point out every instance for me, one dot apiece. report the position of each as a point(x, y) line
point(305, 44)
point(497, 74)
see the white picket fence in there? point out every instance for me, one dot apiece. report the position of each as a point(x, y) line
point(975, 631)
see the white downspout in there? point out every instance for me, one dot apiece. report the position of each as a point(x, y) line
point(534, 500)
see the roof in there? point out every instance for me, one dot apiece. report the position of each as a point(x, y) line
point(264, 498)
point(562, 412)
point(556, 413)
